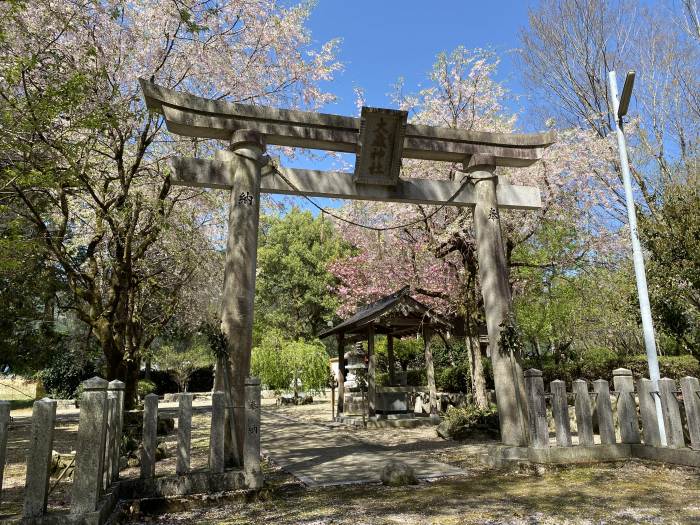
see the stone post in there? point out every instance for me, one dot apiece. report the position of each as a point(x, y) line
point(495, 289)
point(341, 375)
point(89, 455)
point(430, 372)
point(150, 430)
point(647, 411)
point(390, 357)
point(560, 412)
point(371, 371)
point(110, 435)
point(184, 433)
point(4, 431)
point(216, 434)
point(117, 387)
point(245, 154)
point(584, 419)
point(690, 387)
point(36, 487)
point(537, 410)
point(671, 412)
point(251, 448)
point(626, 405)
point(606, 427)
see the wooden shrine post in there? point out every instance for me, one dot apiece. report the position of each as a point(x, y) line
point(380, 138)
point(430, 373)
point(341, 375)
point(371, 373)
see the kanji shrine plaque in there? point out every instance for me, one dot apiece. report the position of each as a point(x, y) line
point(380, 146)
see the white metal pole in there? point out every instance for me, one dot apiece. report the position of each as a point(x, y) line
point(645, 308)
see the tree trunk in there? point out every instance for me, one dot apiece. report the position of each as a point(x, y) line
point(118, 364)
point(296, 386)
point(477, 372)
point(430, 372)
point(127, 371)
point(538, 351)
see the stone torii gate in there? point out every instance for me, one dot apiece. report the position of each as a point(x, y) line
point(380, 138)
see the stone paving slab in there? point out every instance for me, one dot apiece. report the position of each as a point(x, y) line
point(320, 456)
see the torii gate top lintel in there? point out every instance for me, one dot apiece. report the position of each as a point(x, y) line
point(194, 116)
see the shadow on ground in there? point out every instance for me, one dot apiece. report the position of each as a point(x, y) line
point(620, 493)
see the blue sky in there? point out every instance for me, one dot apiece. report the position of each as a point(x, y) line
point(383, 40)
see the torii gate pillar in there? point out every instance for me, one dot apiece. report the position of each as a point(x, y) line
point(244, 158)
point(495, 289)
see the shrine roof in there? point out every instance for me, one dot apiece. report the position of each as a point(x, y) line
point(396, 314)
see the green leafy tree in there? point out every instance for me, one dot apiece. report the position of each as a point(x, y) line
point(409, 352)
point(27, 330)
point(673, 267)
point(181, 362)
point(285, 365)
point(293, 283)
point(564, 310)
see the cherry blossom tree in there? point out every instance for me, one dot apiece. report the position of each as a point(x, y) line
point(85, 164)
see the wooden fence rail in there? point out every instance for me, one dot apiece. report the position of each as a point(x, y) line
point(634, 411)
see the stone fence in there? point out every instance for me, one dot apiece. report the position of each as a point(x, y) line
point(97, 487)
point(630, 430)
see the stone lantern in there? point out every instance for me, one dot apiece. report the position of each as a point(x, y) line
point(356, 370)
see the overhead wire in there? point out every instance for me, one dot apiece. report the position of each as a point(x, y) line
point(467, 179)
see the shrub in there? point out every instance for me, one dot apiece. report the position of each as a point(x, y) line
point(145, 387)
point(674, 367)
point(163, 381)
point(202, 380)
point(416, 377)
point(565, 371)
point(597, 363)
point(382, 378)
point(463, 422)
point(679, 366)
point(453, 379)
point(64, 374)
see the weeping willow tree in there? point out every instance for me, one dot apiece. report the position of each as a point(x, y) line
point(284, 365)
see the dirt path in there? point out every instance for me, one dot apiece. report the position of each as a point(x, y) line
point(321, 456)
